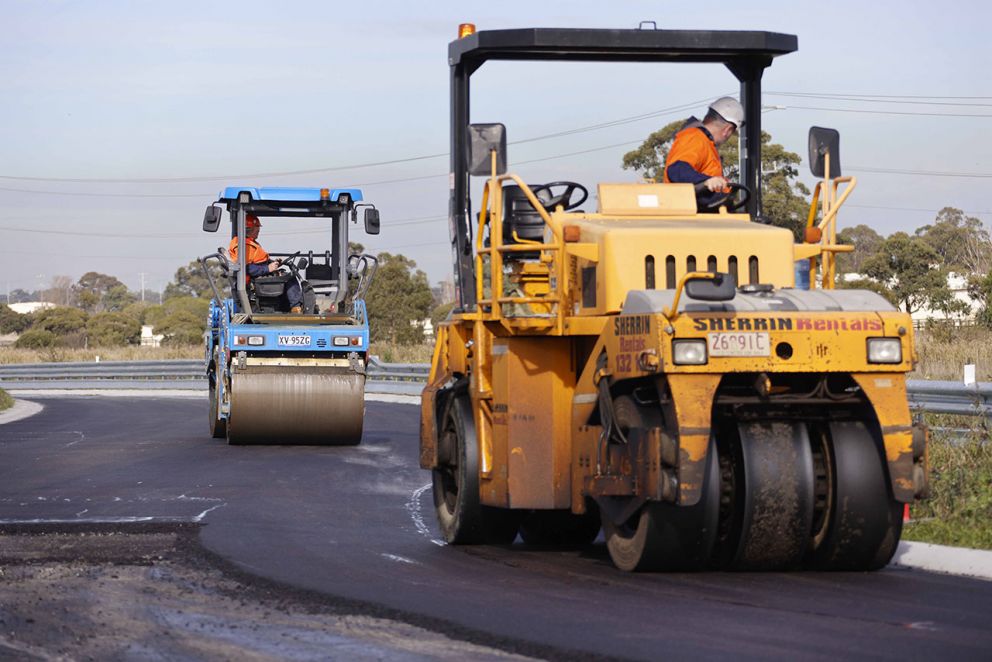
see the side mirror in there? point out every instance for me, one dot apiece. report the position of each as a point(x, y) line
point(211, 218)
point(302, 263)
point(482, 140)
point(372, 221)
point(822, 142)
point(720, 288)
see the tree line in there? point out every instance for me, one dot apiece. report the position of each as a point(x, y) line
point(98, 310)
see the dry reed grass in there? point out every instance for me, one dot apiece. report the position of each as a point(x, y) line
point(943, 352)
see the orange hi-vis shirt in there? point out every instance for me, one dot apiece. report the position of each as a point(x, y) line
point(254, 254)
point(694, 147)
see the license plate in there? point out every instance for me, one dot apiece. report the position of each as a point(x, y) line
point(295, 341)
point(738, 344)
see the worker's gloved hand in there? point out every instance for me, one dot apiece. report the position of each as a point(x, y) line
point(274, 265)
point(716, 184)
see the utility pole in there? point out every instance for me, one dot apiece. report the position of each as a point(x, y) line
point(142, 274)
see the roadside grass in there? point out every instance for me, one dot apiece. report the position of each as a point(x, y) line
point(129, 353)
point(393, 353)
point(943, 352)
point(6, 402)
point(959, 510)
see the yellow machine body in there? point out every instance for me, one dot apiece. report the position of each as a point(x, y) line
point(595, 303)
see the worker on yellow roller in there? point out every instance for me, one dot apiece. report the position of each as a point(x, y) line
point(693, 157)
point(258, 263)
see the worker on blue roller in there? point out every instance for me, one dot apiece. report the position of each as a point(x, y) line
point(693, 157)
point(258, 263)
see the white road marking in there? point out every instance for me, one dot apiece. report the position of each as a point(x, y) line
point(204, 513)
point(399, 559)
point(413, 507)
point(81, 438)
point(183, 497)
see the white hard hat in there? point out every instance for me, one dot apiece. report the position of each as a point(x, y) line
point(729, 109)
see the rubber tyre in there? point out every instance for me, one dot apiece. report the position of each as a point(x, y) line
point(218, 426)
point(776, 516)
point(664, 536)
point(866, 521)
point(463, 520)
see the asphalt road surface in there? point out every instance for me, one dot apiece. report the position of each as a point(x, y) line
point(356, 525)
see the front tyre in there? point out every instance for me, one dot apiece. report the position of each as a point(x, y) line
point(462, 518)
point(218, 426)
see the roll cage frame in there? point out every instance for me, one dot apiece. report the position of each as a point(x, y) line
point(335, 211)
point(745, 53)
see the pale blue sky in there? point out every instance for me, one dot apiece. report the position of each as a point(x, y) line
point(162, 91)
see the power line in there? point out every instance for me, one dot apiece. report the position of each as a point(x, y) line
point(582, 129)
point(186, 235)
point(928, 173)
point(256, 175)
point(870, 99)
point(881, 96)
point(110, 195)
point(99, 257)
point(422, 157)
point(932, 211)
point(885, 112)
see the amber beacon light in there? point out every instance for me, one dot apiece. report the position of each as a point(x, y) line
point(465, 30)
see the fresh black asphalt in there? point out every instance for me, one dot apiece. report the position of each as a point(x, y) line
point(357, 523)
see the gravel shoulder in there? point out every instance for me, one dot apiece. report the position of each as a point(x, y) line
point(150, 592)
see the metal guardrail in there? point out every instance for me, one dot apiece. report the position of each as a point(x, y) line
point(395, 378)
point(937, 397)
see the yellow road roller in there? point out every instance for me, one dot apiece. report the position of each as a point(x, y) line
point(653, 371)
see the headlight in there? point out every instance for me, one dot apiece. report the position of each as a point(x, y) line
point(884, 350)
point(689, 352)
point(340, 341)
point(249, 340)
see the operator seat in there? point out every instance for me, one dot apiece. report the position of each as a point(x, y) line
point(520, 216)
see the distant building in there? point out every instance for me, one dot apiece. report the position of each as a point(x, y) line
point(149, 339)
point(30, 306)
point(957, 284)
point(444, 291)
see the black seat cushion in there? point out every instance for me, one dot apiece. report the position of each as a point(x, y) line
point(520, 216)
point(272, 285)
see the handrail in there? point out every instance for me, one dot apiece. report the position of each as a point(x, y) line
point(493, 217)
point(827, 226)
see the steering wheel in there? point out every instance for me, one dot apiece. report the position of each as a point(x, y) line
point(288, 261)
point(565, 197)
point(724, 199)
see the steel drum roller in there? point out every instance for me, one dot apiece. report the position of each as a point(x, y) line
point(299, 405)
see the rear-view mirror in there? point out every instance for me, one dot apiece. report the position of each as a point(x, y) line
point(483, 139)
point(372, 221)
point(719, 288)
point(211, 218)
point(822, 142)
